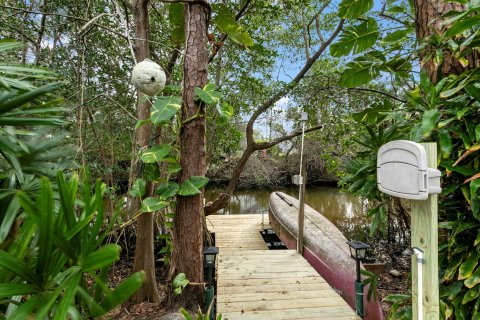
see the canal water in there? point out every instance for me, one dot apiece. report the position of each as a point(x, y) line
point(346, 211)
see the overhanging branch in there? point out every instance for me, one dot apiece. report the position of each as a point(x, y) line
point(266, 145)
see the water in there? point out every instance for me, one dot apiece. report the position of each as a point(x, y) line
point(346, 211)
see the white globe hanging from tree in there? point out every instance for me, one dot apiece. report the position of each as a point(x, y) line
point(148, 77)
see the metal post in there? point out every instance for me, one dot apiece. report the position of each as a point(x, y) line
point(359, 298)
point(301, 197)
point(209, 295)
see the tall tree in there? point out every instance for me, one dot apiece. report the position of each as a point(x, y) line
point(189, 218)
point(430, 21)
point(144, 254)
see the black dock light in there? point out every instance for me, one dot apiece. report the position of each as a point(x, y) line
point(209, 256)
point(358, 251)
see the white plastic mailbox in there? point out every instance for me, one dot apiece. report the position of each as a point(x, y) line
point(402, 171)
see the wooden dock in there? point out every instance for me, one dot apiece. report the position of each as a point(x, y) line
point(256, 283)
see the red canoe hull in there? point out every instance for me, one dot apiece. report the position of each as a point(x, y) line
point(325, 249)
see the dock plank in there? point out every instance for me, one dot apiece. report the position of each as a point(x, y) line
point(256, 283)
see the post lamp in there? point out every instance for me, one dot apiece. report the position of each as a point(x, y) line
point(358, 251)
point(209, 256)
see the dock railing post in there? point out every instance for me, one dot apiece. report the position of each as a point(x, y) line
point(301, 197)
point(424, 235)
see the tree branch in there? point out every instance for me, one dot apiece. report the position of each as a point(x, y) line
point(315, 18)
point(267, 145)
point(224, 36)
point(301, 74)
point(379, 92)
point(64, 16)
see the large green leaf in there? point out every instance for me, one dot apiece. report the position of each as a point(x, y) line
point(138, 188)
point(473, 280)
point(124, 291)
point(225, 21)
point(467, 267)
point(208, 94)
point(445, 143)
point(429, 121)
point(352, 9)
point(8, 219)
point(164, 109)
point(192, 186)
point(8, 44)
point(18, 267)
point(28, 96)
point(102, 257)
point(358, 73)
point(46, 224)
point(225, 111)
point(8, 290)
point(155, 154)
point(462, 25)
point(167, 190)
point(356, 39)
point(152, 204)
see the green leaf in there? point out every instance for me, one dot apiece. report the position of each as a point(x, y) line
point(173, 167)
point(103, 257)
point(445, 143)
point(473, 280)
point(138, 188)
point(141, 123)
point(8, 290)
point(208, 94)
point(225, 111)
point(180, 282)
point(471, 295)
point(352, 9)
point(397, 36)
point(466, 268)
point(167, 190)
point(356, 39)
point(460, 26)
point(155, 154)
point(358, 73)
point(152, 204)
point(451, 291)
point(192, 186)
point(28, 96)
point(18, 267)
point(429, 121)
point(225, 21)
point(399, 66)
point(164, 109)
point(9, 217)
point(46, 225)
point(124, 291)
point(151, 171)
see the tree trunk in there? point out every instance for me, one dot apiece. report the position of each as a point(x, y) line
point(144, 254)
point(428, 14)
point(188, 223)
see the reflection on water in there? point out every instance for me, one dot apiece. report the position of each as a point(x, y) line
point(346, 211)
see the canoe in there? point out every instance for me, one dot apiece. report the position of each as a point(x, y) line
point(325, 248)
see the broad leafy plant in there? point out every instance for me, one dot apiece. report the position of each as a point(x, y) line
point(64, 272)
point(446, 112)
point(26, 150)
point(161, 162)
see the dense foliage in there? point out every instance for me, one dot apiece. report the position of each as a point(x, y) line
point(445, 112)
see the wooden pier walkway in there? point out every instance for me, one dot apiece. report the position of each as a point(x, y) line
point(256, 283)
